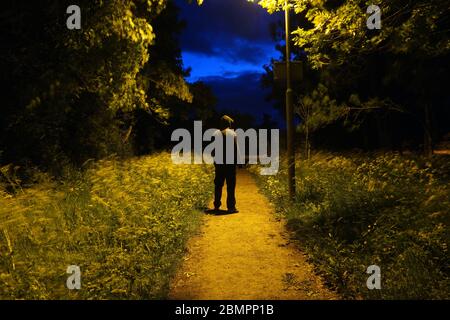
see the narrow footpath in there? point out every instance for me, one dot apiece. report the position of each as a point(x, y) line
point(246, 255)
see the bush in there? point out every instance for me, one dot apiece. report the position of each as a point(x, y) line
point(124, 223)
point(357, 210)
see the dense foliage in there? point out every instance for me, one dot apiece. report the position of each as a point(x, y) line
point(71, 95)
point(395, 76)
point(357, 210)
point(124, 223)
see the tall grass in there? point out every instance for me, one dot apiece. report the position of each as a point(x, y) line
point(354, 211)
point(124, 223)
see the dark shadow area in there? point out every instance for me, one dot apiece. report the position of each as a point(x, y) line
point(218, 212)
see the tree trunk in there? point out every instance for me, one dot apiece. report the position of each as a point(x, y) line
point(307, 148)
point(428, 140)
point(384, 139)
point(366, 133)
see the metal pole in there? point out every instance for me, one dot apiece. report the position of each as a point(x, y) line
point(289, 110)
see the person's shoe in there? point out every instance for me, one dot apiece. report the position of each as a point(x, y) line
point(233, 210)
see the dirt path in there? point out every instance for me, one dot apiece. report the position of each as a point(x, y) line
point(246, 255)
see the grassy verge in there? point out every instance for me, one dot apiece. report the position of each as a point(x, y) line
point(354, 211)
point(124, 223)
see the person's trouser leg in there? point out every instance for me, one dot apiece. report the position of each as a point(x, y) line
point(231, 187)
point(218, 185)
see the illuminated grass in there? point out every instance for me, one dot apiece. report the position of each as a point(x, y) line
point(358, 210)
point(124, 223)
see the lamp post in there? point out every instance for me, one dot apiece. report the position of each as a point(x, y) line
point(289, 109)
point(289, 104)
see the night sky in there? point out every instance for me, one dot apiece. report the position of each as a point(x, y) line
point(226, 43)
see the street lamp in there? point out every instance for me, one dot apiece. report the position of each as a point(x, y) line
point(279, 74)
point(289, 108)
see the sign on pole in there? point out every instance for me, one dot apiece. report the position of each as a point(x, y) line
point(279, 71)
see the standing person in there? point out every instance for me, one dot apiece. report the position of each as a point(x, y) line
point(226, 170)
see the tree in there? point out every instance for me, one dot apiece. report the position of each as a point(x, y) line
point(71, 94)
point(383, 68)
point(174, 101)
point(316, 111)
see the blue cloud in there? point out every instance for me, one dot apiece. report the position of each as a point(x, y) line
point(226, 36)
point(227, 63)
point(226, 43)
point(243, 93)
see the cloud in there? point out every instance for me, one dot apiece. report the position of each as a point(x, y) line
point(236, 30)
point(217, 65)
point(227, 43)
point(244, 94)
point(237, 17)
